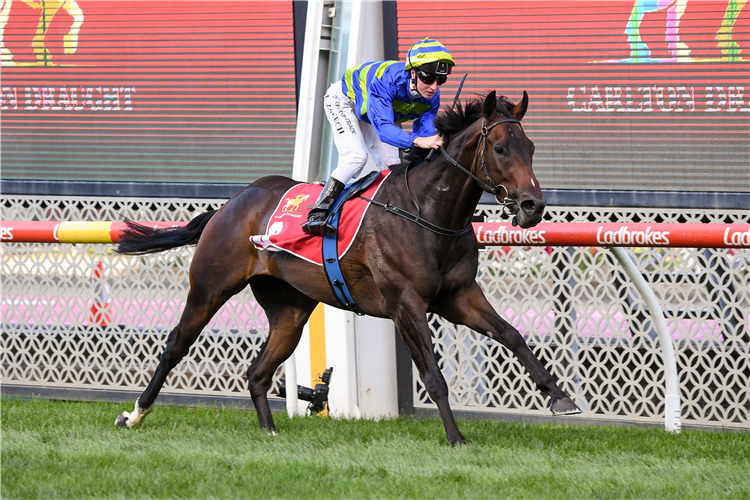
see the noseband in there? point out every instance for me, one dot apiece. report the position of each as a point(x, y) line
point(492, 187)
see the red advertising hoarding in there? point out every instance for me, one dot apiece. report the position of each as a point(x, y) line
point(146, 91)
point(631, 95)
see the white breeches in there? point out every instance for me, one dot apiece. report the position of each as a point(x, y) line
point(355, 140)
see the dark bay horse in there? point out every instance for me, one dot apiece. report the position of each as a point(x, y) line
point(394, 269)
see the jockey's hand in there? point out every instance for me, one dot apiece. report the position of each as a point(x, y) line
point(432, 142)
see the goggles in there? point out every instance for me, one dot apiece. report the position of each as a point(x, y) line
point(430, 78)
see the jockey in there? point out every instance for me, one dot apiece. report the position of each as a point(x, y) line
point(364, 108)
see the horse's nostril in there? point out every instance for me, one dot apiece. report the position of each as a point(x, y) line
point(528, 206)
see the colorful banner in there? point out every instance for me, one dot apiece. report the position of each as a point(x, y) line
point(157, 91)
point(636, 95)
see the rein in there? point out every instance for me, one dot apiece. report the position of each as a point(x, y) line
point(492, 187)
point(419, 220)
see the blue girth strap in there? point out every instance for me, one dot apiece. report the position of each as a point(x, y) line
point(330, 244)
point(333, 270)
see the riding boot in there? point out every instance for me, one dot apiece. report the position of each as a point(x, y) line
point(317, 219)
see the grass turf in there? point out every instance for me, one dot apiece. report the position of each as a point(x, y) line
point(53, 449)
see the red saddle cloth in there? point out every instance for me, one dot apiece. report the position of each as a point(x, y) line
point(284, 230)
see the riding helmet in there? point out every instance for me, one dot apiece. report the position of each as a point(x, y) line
point(429, 56)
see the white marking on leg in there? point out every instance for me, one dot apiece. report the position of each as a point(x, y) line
point(532, 182)
point(136, 418)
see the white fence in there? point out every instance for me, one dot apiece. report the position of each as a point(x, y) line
point(578, 311)
point(584, 319)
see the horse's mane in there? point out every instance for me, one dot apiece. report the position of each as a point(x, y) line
point(451, 122)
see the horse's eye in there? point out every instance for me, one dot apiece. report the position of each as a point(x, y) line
point(499, 149)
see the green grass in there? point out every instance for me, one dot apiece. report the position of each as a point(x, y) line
point(73, 450)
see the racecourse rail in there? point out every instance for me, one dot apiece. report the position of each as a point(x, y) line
point(613, 236)
point(586, 234)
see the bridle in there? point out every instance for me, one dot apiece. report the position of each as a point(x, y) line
point(492, 187)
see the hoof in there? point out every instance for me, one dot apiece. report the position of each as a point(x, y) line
point(564, 406)
point(134, 419)
point(122, 420)
point(458, 441)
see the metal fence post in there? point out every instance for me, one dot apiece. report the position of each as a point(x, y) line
point(672, 395)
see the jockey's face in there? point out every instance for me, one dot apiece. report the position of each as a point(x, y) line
point(425, 90)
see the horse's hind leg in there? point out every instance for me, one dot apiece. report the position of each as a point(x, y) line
point(200, 307)
point(288, 310)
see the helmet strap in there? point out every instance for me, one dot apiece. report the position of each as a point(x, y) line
point(413, 92)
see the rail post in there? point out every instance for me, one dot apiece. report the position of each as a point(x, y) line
point(672, 394)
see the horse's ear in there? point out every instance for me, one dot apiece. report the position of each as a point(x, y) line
point(490, 105)
point(520, 109)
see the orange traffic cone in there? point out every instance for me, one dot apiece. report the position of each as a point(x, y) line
point(101, 310)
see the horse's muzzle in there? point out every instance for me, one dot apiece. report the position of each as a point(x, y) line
point(530, 211)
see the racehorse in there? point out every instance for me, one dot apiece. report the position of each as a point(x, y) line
point(394, 268)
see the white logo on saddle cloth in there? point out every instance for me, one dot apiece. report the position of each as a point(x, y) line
point(262, 241)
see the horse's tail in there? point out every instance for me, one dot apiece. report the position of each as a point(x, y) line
point(139, 239)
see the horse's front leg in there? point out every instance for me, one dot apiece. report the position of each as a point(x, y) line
point(409, 313)
point(471, 308)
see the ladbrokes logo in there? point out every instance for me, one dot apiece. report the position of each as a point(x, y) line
point(736, 238)
point(6, 233)
point(624, 237)
point(512, 237)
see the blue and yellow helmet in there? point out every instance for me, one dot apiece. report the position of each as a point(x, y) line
point(430, 56)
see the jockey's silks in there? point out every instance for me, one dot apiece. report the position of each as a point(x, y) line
point(380, 93)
